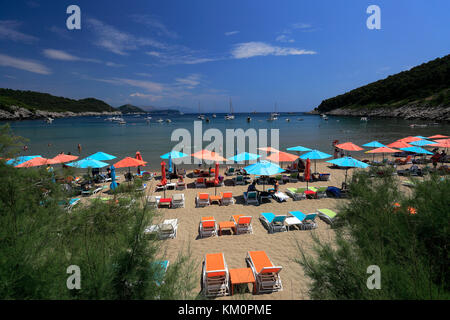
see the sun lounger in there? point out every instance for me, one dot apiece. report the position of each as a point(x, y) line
point(202, 200)
point(280, 196)
point(238, 180)
point(306, 220)
point(327, 215)
point(208, 227)
point(296, 193)
point(408, 183)
point(200, 183)
point(215, 275)
point(178, 200)
point(72, 203)
point(293, 177)
point(320, 191)
point(272, 222)
point(404, 161)
point(243, 223)
point(142, 188)
point(230, 172)
point(167, 229)
point(267, 276)
point(196, 173)
point(181, 185)
point(324, 176)
point(251, 197)
point(226, 198)
point(160, 187)
point(153, 201)
point(147, 176)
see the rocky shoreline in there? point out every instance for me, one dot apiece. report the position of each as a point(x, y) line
point(17, 113)
point(409, 112)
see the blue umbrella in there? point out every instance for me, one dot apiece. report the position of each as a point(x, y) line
point(374, 144)
point(298, 148)
point(20, 160)
point(101, 156)
point(88, 163)
point(348, 162)
point(170, 163)
point(244, 156)
point(113, 184)
point(315, 155)
point(173, 155)
point(263, 168)
point(416, 150)
point(423, 142)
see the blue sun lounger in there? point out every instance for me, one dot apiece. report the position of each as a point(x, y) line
point(307, 220)
point(272, 222)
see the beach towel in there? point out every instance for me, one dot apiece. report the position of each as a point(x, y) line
point(334, 192)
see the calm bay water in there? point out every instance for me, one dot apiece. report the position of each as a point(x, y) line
point(153, 139)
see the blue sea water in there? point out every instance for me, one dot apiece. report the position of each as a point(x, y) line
point(154, 139)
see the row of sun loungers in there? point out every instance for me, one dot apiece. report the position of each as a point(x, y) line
point(216, 279)
point(240, 223)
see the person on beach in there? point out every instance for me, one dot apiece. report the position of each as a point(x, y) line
point(252, 187)
point(434, 159)
point(79, 148)
point(25, 148)
point(342, 153)
point(108, 172)
point(336, 153)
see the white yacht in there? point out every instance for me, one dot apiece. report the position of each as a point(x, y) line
point(200, 115)
point(168, 120)
point(214, 115)
point(160, 120)
point(49, 120)
point(230, 116)
point(364, 119)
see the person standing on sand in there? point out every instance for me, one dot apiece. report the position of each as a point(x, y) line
point(79, 148)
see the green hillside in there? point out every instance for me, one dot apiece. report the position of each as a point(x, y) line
point(428, 83)
point(43, 101)
point(128, 108)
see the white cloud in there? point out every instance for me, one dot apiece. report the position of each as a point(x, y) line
point(60, 55)
point(284, 38)
point(253, 49)
point(8, 30)
point(117, 41)
point(175, 57)
point(22, 64)
point(155, 24)
point(230, 33)
point(300, 25)
point(62, 32)
point(190, 81)
point(143, 74)
point(150, 97)
point(113, 64)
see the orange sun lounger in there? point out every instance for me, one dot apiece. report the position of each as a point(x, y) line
point(243, 223)
point(266, 274)
point(215, 275)
point(208, 227)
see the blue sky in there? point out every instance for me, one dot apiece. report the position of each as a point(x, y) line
point(179, 53)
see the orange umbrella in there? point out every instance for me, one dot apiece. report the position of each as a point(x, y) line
point(442, 140)
point(438, 136)
point(399, 144)
point(35, 162)
point(61, 158)
point(129, 162)
point(409, 139)
point(383, 150)
point(444, 144)
point(138, 157)
point(269, 149)
point(307, 174)
point(282, 157)
point(208, 155)
point(349, 146)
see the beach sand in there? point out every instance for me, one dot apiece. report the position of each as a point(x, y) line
point(280, 247)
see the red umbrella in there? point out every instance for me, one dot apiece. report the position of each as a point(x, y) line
point(307, 174)
point(349, 146)
point(438, 136)
point(399, 144)
point(163, 176)
point(216, 179)
point(129, 162)
point(409, 139)
point(138, 157)
point(35, 162)
point(61, 158)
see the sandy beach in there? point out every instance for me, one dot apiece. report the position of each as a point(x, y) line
point(281, 247)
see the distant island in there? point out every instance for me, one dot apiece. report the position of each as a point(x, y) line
point(21, 105)
point(422, 92)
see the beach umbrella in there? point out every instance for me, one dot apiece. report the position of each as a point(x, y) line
point(101, 156)
point(348, 162)
point(438, 136)
point(87, 163)
point(422, 143)
point(129, 162)
point(315, 155)
point(170, 164)
point(207, 155)
point(349, 146)
point(244, 156)
point(113, 184)
point(216, 178)
point(269, 149)
point(282, 157)
point(420, 137)
point(382, 150)
point(163, 176)
point(35, 162)
point(61, 158)
point(21, 159)
point(409, 139)
point(298, 149)
point(444, 144)
point(307, 174)
point(416, 150)
point(173, 155)
point(398, 144)
point(263, 168)
point(373, 144)
point(138, 156)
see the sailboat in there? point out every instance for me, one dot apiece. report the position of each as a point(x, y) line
point(230, 116)
point(274, 115)
point(200, 116)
